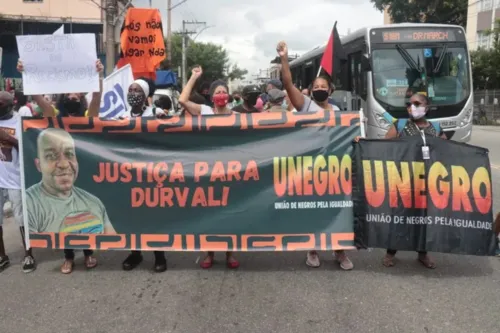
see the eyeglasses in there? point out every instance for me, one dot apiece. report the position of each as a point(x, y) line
point(416, 103)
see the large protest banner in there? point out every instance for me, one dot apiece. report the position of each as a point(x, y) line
point(244, 182)
point(439, 204)
point(58, 63)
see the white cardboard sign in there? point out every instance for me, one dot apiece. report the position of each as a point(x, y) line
point(58, 63)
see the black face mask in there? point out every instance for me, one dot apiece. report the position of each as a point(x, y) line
point(72, 107)
point(251, 100)
point(320, 95)
point(5, 111)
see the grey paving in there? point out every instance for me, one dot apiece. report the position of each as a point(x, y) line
point(271, 292)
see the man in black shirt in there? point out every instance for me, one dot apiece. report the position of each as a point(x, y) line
point(250, 95)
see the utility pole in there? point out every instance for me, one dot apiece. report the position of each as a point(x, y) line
point(185, 33)
point(111, 13)
point(169, 33)
point(169, 29)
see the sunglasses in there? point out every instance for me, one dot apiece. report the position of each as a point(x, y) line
point(416, 103)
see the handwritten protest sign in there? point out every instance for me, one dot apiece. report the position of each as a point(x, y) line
point(142, 44)
point(58, 63)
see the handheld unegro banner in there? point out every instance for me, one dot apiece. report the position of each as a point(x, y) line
point(240, 182)
point(434, 197)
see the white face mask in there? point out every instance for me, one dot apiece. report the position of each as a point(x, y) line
point(418, 112)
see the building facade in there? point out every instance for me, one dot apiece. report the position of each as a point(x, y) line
point(481, 17)
point(37, 17)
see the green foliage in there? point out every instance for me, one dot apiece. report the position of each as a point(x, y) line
point(486, 63)
point(211, 57)
point(425, 11)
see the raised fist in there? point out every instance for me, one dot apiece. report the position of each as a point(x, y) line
point(282, 49)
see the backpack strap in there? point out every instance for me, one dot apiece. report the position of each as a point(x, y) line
point(400, 125)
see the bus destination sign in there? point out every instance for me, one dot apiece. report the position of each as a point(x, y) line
point(416, 35)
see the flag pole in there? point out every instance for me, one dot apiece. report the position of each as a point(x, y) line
point(319, 71)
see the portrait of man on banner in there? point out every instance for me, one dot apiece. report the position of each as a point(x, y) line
point(55, 204)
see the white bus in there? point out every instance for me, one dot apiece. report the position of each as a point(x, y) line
point(385, 65)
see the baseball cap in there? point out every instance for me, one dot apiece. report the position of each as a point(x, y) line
point(276, 95)
point(250, 89)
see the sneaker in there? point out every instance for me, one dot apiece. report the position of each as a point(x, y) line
point(29, 264)
point(4, 262)
point(344, 261)
point(312, 259)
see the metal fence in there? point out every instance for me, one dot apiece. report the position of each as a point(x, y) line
point(487, 107)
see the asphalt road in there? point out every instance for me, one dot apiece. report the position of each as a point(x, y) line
point(271, 292)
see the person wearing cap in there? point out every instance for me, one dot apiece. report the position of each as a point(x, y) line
point(250, 96)
point(276, 98)
point(271, 84)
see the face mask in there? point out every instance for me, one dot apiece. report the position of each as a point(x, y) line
point(284, 105)
point(252, 100)
point(135, 99)
point(221, 100)
point(320, 95)
point(418, 112)
point(5, 111)
point(72, 106)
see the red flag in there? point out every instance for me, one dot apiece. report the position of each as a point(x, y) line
point(333, 53)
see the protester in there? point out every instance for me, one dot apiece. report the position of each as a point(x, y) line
point(237, 99)
point(219, 94)
point(21, 105)
point(73, 105)
point(320, 90)
point(137, 98)
point(418, 107)
point(250, 96)
point(164, 103)
point(259, 105)
point(10, 177)
point(276, 98)
point(205, 92)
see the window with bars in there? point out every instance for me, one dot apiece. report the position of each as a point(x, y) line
point(483, 40)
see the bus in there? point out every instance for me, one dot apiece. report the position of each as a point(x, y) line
point(385, 65)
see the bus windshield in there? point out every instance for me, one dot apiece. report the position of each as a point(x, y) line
point(441, 72)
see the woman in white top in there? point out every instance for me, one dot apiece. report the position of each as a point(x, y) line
point(220, 97)
point(219, 93)
point(320, 90)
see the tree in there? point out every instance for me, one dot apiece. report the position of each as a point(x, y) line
point(211, 57)
point(425, 11)
point(486, 63)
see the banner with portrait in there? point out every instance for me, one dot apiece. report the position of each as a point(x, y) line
point(239, 182)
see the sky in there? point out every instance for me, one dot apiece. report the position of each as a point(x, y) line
point(250, 30)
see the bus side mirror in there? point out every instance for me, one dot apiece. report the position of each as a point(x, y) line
point(365, 63)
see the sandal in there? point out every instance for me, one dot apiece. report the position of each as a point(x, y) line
point(388, 260)
point(90, 262)
point(67, 266)
point(427, 262)
point(208, 261)
point(231, 262)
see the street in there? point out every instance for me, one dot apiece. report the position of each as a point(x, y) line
point(270, 292)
